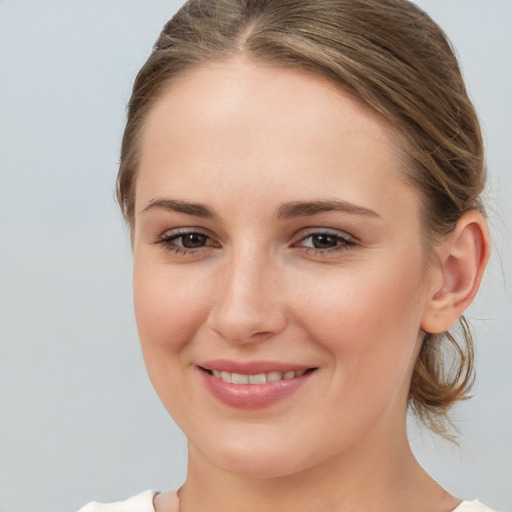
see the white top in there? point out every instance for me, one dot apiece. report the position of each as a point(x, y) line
point(144, 503)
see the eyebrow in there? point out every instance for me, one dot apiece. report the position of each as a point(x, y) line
point(307, 208)
point(286, 211)
point(174, 205)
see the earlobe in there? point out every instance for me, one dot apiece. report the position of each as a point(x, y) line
point(462, 259)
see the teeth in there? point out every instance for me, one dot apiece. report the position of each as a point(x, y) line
point(274, 376)
point(238, 378)
point(259, 378)
point(225, 376)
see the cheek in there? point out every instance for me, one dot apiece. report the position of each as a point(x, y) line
point(169, 309)
point(165, 301)
point(368, 321)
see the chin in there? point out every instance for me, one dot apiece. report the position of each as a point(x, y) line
point(265, 459)
point(256, 465)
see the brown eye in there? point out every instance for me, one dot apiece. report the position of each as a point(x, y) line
point(324, 241)
point(185, 242)
point(193, 240)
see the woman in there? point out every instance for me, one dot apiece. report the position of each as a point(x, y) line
point(301, 180)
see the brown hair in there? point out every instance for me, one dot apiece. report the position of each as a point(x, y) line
point(389, 55)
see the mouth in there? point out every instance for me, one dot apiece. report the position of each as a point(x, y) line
point(253, 385)
point(256, 378)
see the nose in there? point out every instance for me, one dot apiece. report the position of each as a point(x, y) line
point(247, 306)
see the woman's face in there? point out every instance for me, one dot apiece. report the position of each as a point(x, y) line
point(276, 245)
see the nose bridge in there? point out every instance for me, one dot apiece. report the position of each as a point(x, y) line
point(247, 306)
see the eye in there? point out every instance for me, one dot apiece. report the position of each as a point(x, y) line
point(184, 242)
point(192, 240)
point(326, 242)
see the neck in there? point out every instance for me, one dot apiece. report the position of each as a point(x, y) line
point(378, 476)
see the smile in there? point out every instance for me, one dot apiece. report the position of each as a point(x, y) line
point(253, 385)
point(259, 378)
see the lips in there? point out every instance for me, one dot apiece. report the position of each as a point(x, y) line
point(253, 385)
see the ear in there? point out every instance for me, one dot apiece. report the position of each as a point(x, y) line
point(457, 272)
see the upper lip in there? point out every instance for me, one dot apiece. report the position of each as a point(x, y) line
point(251, 367)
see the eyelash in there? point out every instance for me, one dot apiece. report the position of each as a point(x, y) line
point(343, 243)
point(168, 242)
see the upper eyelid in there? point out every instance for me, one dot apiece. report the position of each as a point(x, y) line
point(170, 232)
point(327, 231)
point(169, 236)
point(169, 239)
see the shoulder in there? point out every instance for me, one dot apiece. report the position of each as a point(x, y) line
point(141, 503)
point(472, 506)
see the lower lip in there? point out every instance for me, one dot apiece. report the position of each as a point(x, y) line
point(253, 396)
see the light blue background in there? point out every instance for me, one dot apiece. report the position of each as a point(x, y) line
point(78, 418)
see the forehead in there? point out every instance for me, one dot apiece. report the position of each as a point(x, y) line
point(241, 89)
point(253, 127)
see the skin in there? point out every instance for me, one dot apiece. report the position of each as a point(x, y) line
point(243, 139)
